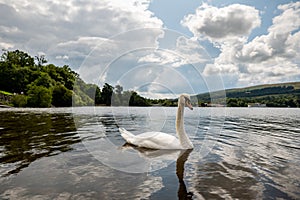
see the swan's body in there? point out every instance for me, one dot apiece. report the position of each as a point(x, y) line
point(160, 140)
point(152, 140)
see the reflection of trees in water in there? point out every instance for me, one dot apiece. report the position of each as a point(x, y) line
point(26, 137)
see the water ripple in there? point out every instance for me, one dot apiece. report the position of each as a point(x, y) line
point(253, 154)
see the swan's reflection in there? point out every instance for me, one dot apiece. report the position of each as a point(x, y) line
point(180, 156)
point(182, 191)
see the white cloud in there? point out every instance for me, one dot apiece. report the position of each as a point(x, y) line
point(70, 27)
point(150, 80)
point(275, 57)
point(289, 20)
point(118, 55)
point(175, 69)
point(219, 24)
point(4, 45)
point(187, 51)
point(268, 58)
point(191, 50)
point(164, 57)
point(220, 68)
point(166, 81)
point(62, 57)
point(280, 41)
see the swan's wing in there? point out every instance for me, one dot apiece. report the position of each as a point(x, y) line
point(157, 140)
point(152, 140)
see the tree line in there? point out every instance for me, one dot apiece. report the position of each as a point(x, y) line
point(35, 83)
point(270, 101)
point(278, 95)
point(115, 96)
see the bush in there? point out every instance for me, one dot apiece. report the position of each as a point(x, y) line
point(19, 100)
point(39, 96)
point(61, 96)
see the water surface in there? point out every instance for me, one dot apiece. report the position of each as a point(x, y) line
point(242, 153)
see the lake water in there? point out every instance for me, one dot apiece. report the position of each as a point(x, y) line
point(65, 153)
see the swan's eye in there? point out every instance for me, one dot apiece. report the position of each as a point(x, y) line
point(187, 100)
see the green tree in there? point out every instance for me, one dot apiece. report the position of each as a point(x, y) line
point(68, 76)
point(44, 80)
point(125, 98)
point(291, 102)
point(232, 102)
point(117, 96)
point(242, 103)
point(106, 94)
point(61, 96)
point(90, 90)
point(19, 100)
point(52, 71)
point(18, 57)
point(297, 99)
point(41, 60)
point(168, 102)
point(19, 73)
point(6, 77)
point(137, 100)
point(97, 96)
point(39, 96)
point(118, 89)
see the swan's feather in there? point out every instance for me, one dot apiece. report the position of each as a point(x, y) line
point(129, 137)
point(152, 140)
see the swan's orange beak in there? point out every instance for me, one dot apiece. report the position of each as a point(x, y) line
point(190, 106)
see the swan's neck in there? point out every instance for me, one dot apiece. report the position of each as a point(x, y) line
point(182, 136)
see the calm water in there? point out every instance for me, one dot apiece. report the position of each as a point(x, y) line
point(240, 153)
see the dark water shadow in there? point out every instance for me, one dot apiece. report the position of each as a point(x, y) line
point(182, 190)
point(28, 136)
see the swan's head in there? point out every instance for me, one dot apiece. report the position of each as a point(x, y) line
point(185, 100)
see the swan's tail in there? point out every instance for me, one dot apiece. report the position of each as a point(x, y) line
point(129, 137)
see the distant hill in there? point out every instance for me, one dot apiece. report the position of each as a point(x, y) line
point(273, 95)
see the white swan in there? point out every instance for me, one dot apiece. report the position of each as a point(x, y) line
point(159, 140)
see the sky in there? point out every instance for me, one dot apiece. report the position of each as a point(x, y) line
point(161, 48)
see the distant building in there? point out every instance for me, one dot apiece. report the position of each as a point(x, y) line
point(258, 105)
